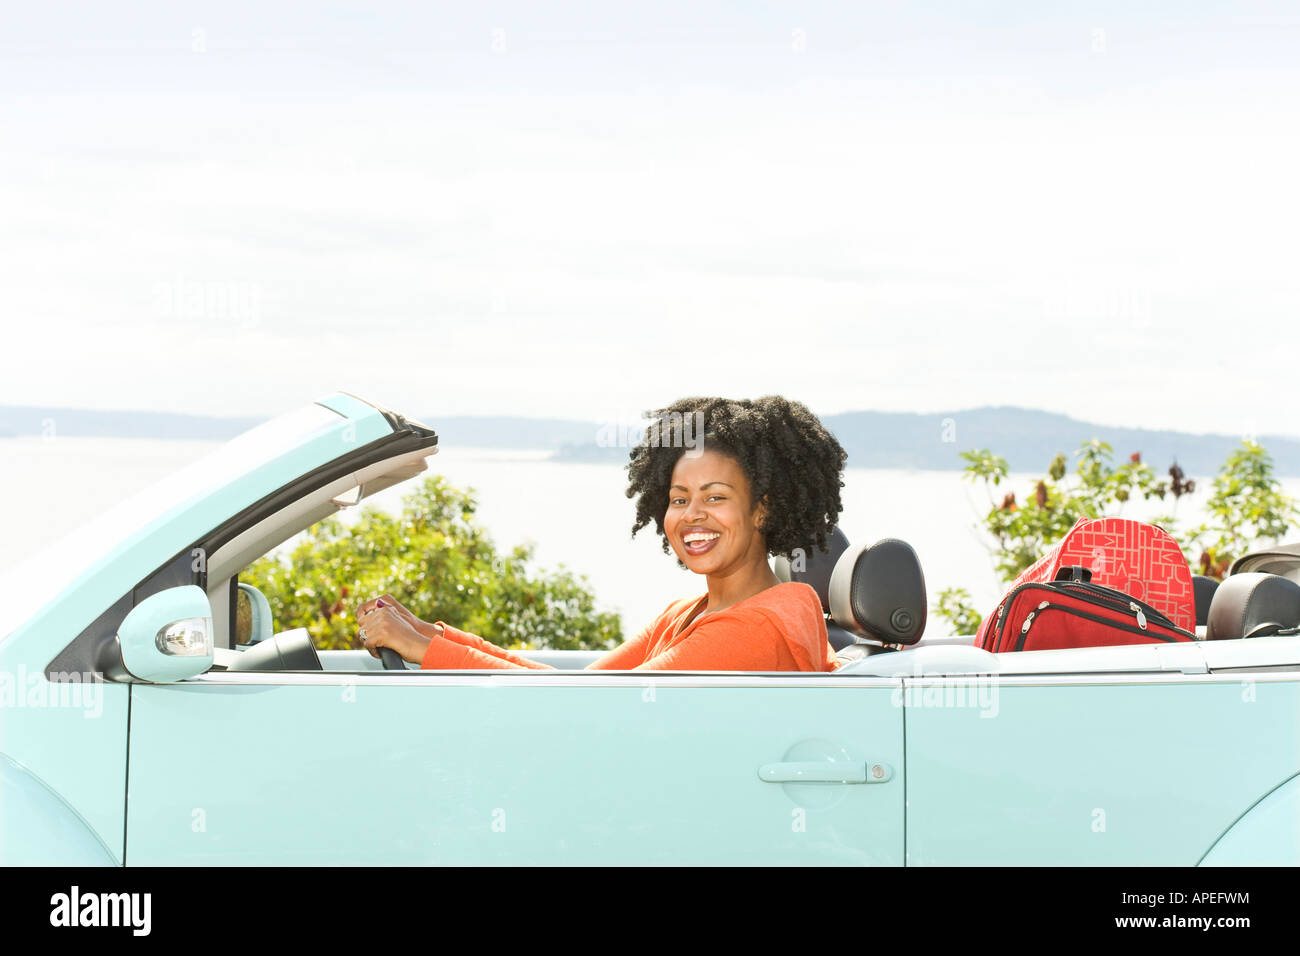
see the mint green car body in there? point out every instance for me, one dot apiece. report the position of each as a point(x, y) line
point(940, 754)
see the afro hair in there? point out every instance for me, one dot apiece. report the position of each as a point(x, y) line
point(791, 461)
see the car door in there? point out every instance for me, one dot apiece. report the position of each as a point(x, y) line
point(1115, 769)
point(60, 612)
point(551, 767)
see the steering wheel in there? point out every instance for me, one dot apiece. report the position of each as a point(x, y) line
point(392, 660)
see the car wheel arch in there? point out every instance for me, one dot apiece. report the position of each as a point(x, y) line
point(1253, 839)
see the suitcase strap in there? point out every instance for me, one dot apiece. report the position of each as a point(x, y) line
point(1139, 618)
point(1109, 598)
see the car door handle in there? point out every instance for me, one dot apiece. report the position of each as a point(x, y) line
point(825, 771)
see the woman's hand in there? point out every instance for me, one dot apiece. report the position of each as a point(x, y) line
point(387, 600)
point(384, 626)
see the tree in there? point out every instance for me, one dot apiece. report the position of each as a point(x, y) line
point(1023, 531)
point(1247, 506)
point(438, 561)
point(955, 607)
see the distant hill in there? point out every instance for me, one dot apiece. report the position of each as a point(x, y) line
point(87, 423)
point(538, 434)
point(479, 432)
point(1028, 439)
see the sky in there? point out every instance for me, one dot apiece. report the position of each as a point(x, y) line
point(587, 210)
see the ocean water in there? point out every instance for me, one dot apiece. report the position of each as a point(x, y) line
point(577, 515)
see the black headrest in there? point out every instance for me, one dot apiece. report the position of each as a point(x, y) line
point(879, 592)
point(1203, 588)
point(814, 569)
point(1253, 604)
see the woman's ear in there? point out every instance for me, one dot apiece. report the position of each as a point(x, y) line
point(760, 515)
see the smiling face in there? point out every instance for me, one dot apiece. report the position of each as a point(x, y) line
point(711, 522)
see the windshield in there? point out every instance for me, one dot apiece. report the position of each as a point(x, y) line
point(41, 577)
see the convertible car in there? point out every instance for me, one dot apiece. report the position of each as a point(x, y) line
point(141, 724)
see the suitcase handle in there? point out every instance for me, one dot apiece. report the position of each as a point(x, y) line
point(1075, 572)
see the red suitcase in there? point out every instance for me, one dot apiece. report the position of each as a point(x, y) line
point(1065, 614)
point(1140, 559)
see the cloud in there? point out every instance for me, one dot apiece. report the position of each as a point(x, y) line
point(893, 218)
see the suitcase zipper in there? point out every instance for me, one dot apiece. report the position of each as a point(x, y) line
point(1024, 628)
point(1000, 624)
point(1141, 619)
point(1094, 591)
point(1120, 603)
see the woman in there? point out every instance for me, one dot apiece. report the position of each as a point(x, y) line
point(756, 478)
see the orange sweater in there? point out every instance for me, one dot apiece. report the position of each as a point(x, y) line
point(778, 629)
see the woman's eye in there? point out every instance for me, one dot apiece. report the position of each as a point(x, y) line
point(678, 502)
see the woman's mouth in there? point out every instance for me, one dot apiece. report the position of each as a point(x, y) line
point(699, 542)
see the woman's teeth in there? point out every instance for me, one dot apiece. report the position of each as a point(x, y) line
point(699, 541)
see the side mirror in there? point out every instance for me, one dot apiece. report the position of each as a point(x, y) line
point(168, 636)
point(252, 616)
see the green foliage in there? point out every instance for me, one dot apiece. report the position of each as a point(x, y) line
point(985, 466)
point(440, 563)
point(1247, 505)
point(1096, 488)
point(955, 607)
